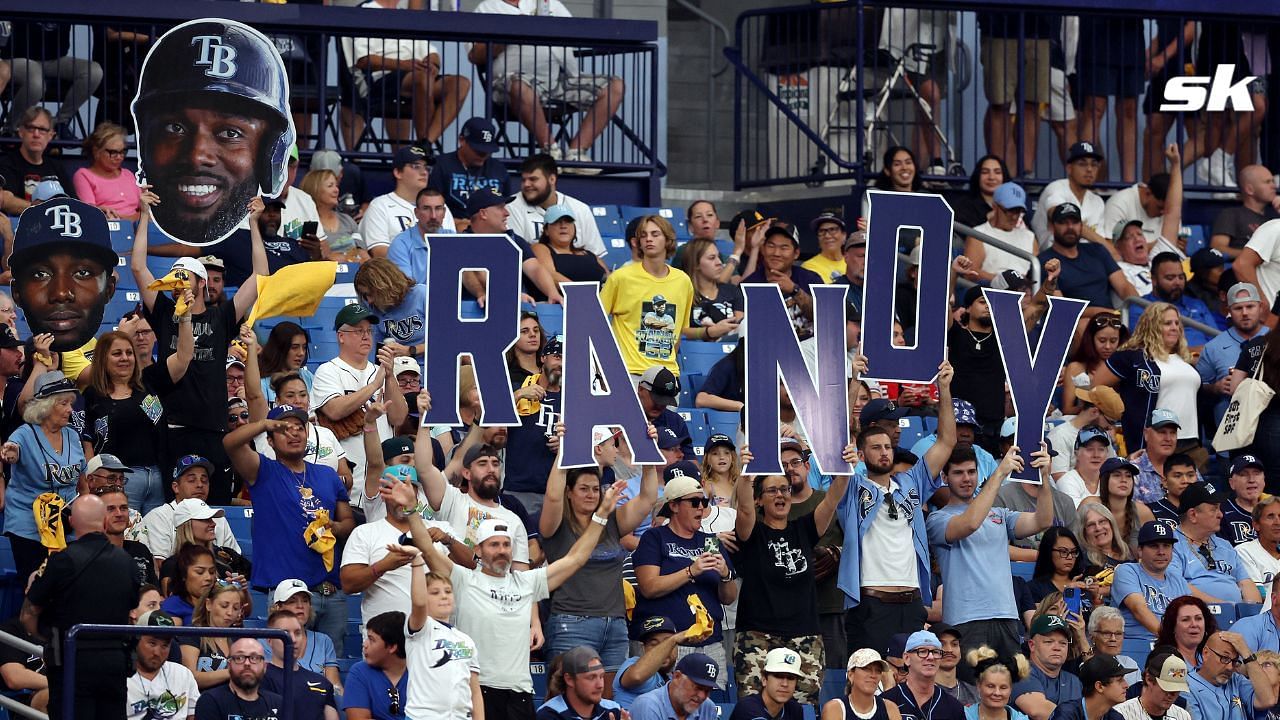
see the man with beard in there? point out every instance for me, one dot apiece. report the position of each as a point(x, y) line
point(63, 270)
point(538, 175)
point(974, 352)
point(1083, 163)
point(301, 510)
point(409, 249)
point(1230, 682)
point(159, 688)
point(241, 698)
point(1169, 283)
point(1222, 353)
point(213, 127)
point(685, 696)
point(532, 445)
point(496, 600)
point(583, 696)
point(1088, 270)
point(970, 536)
point(488, 213)
point(884, 564)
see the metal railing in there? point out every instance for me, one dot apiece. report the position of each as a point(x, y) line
point(345, 102)
point(823, 90)
point(1186, 321)
point(1034, 276)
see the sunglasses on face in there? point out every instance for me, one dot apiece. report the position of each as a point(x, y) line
point(698, 502)
point(394, 696)
point(232, 417)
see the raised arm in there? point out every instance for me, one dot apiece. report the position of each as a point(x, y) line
point(179, 361)
point(936, 457)
point(373, 462)
point(745, 522)
point(253, 394)
point(1171, 225)
point(826, 510)
point(633, 513)
point(395, 405)
point(238, 444)
point(138, 257)
point(561, 570)
point(433, 482)
point(247, 295)
point(966, 523)
point(1029, 524)
point(553, 501)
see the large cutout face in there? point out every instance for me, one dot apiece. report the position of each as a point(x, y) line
point(214, 128)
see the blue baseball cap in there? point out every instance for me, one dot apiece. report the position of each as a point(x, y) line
point(407, 156)
point(482, 199)
point(1091, 433)
point(699, 668)
point(1009, 427)
point(1113, 464)
point(922, 638)
point(62, 222)
point(1246, 461)
point(287, 411)
point(682, 468)
point(48, 189)
point(481, 135)
point(1155, 531)
point(667, 439)
point(556, 213)
point(1161, 417)
point(186, 462)
point(1010, 196)
point(880, 409)
point(965, 414)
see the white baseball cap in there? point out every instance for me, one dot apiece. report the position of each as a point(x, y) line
point(864, 657)
point(192, 265)
point(404, 364)
point(784, 661)
point(287, 589)
point(492, 528)
point(194, 509)
point(603, 433)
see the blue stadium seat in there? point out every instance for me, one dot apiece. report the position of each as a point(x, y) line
point(1023, 570)
point(608, 220)
point(471, 309)
point(697, 421)
point(261, 604)
point(690, 384)
point(1197, 237)
point(240, 520)
point(721, 421)
point(833, 680)
point(725, 247)
point(159, 266)
point(913, 429)
point(255, 622)
point(617, 251)
point(674, 215)
point(346, 272)
point(552, 318)
point(539, 672)
point(121, 235)
point(1224, 613)
point(930, 425)
point(353, 608)
point(699, 357)
point(1244, 610)
point(124, 276)
point(246, 548)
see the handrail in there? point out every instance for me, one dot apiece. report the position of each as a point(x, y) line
point(1002, 245)
point(73, 635)
point(17, 708)
point(1186, 321)
point(714, 23)
point(14, 641)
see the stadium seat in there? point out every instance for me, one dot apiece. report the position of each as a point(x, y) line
point(1197, 238)
point(720, 421)
point(121, 235)
point(674, 215)
point(690, 384)
point(608, 220)
point(1224, 613)
point(346, 272)
point(353, 608)
point(1023, 570)
point(912, 427)
point(697, 421)
point(617, 251)
point(240, 520)
point(833, 680)
point(551, 316)
point(1244, 610)
point(261, 604)
point(539, 673)
point(699, 357)
point(930, 424)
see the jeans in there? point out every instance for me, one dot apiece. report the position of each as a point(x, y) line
point(330, 617)
point(145, 488)
point(607, 635)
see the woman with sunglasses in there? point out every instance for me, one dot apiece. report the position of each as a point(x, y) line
point(105, 184)
point(1103, 334)
point(1153, 370)
point(1059, 565)
point(221, 606)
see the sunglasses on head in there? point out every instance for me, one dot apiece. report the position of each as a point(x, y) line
point(393, 695)
point(1107, 320)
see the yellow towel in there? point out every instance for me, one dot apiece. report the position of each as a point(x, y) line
point(628, 598)
point(177, 279)
point(702, 625)
point(48, 511)
point(318, 537)
point(294, 290)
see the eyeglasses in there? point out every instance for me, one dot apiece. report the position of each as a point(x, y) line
point(1110, 634)
point(1067, 552)
point(38, 130)
point(1232, 661)
point(233, 417)
point(246, 659)
point(829, 230)
point(113, 153)
point(394, 695)
point(783, 490)
point(793, 465)
point(1107, 320)
point(697, 501)
point(924, 653)
point(362, 332)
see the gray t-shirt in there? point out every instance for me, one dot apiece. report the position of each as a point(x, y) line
point(596, 589)
point(1013, 497)
point(1239, 222)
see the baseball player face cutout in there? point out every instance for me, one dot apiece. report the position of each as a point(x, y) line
point(214, 127)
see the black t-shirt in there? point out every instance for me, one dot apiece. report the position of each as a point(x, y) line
point(221, 704)
point(1239, 222)
point(8, 654)
point(131, 429)
point(979, 371)
point(92, 581)
point(529, 460)
point(456, 182)
point(752, 707)
point(144, 562)
point(779, 595)
point(21, 177)
point(237, 255)
point(724, 380)
point(199, 399)
point(727, 301)
point(1250, 354)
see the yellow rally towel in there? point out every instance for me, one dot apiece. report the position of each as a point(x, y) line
point(177, 279)
point(702, 625)
point(628, 598)
point(48, 511)
point(318, 537)
point(524, 406)
point(293, 290)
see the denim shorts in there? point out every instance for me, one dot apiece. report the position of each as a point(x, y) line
point(608, 635)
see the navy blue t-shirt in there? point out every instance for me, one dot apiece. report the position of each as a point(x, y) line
point(940, 707)
point(724, 381)
point(1237, 524)
point(1086, 277)
point(529, 460)
point(752, 707)
point(456, 182)
point(671, 419)
point(284, 504)
point(660, 546)
point(311, 691)
point(1139, 391)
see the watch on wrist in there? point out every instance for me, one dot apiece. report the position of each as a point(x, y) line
point(1249, 659)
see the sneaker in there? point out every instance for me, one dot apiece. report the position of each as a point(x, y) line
point(579, 156)
point(555, 152)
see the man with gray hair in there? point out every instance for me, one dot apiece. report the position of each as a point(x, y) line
point(1106, 635)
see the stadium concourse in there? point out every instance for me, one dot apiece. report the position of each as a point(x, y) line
point(211, 459)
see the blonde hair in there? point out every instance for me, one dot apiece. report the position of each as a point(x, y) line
point(101, 134)
point(384, 282)
point(663, 225)
point(984, 660)
point(314, 180)
point(1148, 337)
point(1095, 555)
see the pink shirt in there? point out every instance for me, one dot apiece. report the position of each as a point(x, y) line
point(120, 194)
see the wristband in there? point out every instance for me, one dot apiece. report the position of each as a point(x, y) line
point(417, 565)
point(688, 570)
point(371, 428)
point(418, 509)
point(599, 520)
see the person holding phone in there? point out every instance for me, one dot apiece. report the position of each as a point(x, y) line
point(717, 306)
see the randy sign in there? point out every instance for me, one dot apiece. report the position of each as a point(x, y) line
point(597, 390)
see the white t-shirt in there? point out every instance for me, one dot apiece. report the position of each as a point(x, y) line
point(336, 378)
point(171, 694)
point(440, 659)
point(888, 555)
point(1073, 485)
point(388, 216)
point(1058, 192)
point(1258, 563)
point(1138, 275)
point(1062, 438)
point(157, 532)
point(526, 221)
point(542, 62)
point(366, 546)
point(997, 259)
point(323, 447)
point(299, 207)
point(391, 48)
point(464, 514)
point(1179, 383)
point(1126, 205)
point(1132, 710)
point(495, 612)
point(1266, 242)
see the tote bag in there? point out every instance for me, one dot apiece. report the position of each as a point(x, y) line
point(1240, 422)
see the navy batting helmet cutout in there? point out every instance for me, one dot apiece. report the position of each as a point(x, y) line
point(214, 127)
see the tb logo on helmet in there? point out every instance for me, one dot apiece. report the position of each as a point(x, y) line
point(65, 221)
point(216, 56)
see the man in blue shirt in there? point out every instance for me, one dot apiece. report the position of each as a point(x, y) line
point(1221, 354)
point(379, 683)
point(409, 249)
point(1230, 683)
point(1048, 685)
point(1169, 284)
point(685, 696)
point(471, 167)
point(1247, 480)
point(1088, 270)
point(312, 695)
point(583, 696)
point(970, 537)
point(638, 675)
point(1260, 630)
point(1143, 590)
point(1207, 562)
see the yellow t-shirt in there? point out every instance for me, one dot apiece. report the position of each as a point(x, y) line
point(76, 361)
point(828, 270)
point(647, 315)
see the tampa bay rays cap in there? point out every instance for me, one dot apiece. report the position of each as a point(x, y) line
point(62, 223)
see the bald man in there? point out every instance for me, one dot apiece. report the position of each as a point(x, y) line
point(1258, 203)
point(92, 581)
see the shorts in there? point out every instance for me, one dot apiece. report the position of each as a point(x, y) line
point(576, 90)
point(1000, 70)
point(385, 97)
point(1060, 108)
point(936, 71)
point(1108, 80)
point(750, 648)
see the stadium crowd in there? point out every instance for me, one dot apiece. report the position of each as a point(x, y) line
point(1135, 580)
